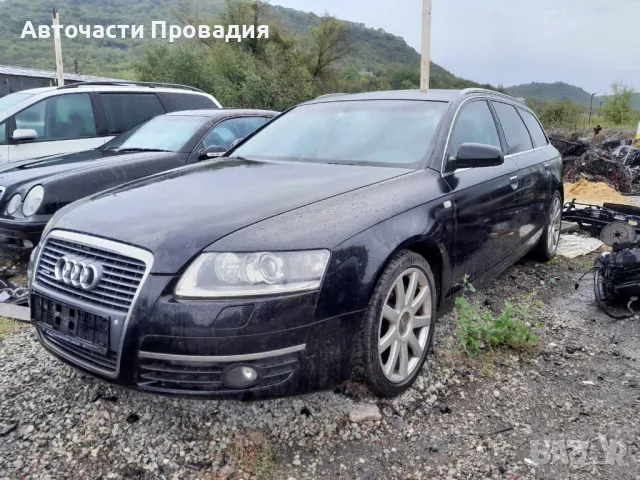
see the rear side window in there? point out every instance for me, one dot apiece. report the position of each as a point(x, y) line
point(127, 110)
point(537, 134)
point(3, 134)
point(517, 135)
point(187, 101)
point(64, 117)
point(475, 124)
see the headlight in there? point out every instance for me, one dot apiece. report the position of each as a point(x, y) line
point(33, 200)
point(14, 203)
point(247, 274)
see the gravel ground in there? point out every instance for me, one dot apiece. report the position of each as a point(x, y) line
point(461, 420)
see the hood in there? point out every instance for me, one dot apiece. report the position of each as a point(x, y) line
point(175, 215)
point(44, 168)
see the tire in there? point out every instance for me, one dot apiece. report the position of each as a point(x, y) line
point(547, 246)
point(404, 328)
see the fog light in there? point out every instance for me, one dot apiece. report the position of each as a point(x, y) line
point(27, 243)
point(240, 376)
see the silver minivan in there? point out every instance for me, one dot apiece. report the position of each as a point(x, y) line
point(55, 120)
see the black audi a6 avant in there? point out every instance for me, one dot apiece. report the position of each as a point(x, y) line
point(32, 191)
point(320, 248)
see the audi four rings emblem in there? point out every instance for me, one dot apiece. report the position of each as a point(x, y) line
point(77, 273)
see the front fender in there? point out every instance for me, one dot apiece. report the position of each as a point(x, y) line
point(356, 264)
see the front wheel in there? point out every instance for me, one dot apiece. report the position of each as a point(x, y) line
point(546, 248)
point(397, 329)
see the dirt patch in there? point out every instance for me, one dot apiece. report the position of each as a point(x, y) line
point(595, 193)
point(9, 326)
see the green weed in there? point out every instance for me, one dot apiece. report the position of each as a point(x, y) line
point(481, 331)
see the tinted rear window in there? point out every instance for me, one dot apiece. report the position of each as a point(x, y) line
point(537, 134)
point(187, 101)
point(516, 133)
point(126, 110)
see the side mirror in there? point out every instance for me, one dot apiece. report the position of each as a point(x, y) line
point(478, 155)
point(212, 151)
point(24, 135)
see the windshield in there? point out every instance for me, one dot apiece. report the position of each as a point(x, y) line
point(164, 133)
point(394, 133)
point(13, 99)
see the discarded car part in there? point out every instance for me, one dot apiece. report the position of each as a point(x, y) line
point(568, 148)
point(595, 166)
point(618, 232)
point(594, 217)
point(611, 144)
point(617, 280)
point(629, 156)
point(10, 293)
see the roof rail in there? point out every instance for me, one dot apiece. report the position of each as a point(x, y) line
point(129, 83)
point(331, 95)
point(467, 91)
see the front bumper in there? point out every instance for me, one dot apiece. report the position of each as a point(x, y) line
point(20, 236)
point(185, 348)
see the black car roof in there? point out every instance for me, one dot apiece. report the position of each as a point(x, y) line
point(221, 112)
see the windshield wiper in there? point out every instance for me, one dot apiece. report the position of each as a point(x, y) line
point(139, 150)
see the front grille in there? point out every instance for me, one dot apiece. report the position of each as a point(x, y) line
point(181, 376)
point(121, 274)
point(78, 334)
point(105, 362)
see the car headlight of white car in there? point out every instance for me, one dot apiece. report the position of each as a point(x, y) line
point(214, 275)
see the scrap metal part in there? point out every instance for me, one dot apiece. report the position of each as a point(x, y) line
point(10, 293)
point(617, 280)
point(595, 218)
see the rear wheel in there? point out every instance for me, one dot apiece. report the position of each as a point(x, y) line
point(546, 248)
point(397, 329)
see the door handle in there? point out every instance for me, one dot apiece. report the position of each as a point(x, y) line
point(514, 182)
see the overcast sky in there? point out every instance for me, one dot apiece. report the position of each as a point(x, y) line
point(588, 43)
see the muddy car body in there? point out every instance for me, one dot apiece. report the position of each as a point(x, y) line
point(321, 248)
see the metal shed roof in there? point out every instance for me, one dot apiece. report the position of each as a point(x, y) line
point(32, 72)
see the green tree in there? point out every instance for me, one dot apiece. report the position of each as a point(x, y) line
point(617, 106)
point(330, 43)
point(271, 74)
point(561, 114)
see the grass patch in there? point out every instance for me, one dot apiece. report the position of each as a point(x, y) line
point(9, 326)
point(482, 332)
point(252, 455)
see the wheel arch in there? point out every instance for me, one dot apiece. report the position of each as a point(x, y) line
point(436, 256)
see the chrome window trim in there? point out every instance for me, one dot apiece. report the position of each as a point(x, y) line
point(453, 123)
point(110, 246)
point(220, 358)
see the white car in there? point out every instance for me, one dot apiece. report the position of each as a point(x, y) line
point(55, 120)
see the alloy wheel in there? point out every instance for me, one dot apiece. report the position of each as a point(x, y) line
point(555, 224)
point(404, 325)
